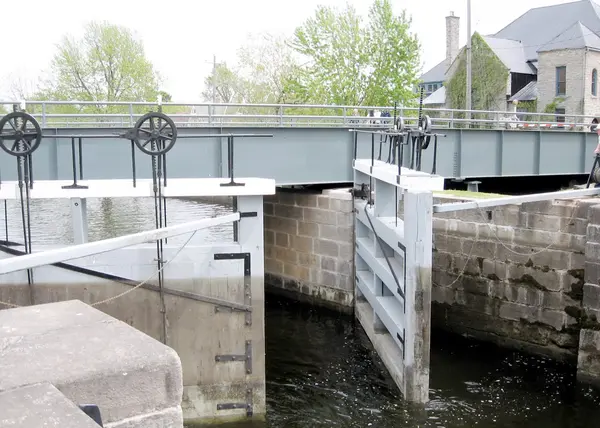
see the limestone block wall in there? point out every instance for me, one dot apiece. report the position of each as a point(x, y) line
point(513, 274)
point(309, 245)
point(588, 362)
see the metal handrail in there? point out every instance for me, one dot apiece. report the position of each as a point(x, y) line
point(441, 117)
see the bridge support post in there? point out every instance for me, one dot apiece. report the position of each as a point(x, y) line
point(80, 221)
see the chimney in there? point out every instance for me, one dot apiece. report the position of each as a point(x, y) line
point(452, 35)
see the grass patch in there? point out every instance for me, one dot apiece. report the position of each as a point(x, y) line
point(467, 194)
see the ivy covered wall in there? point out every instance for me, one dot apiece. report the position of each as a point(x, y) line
point(489, 79)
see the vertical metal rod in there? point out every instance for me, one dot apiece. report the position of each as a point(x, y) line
point(30, 163)
point(400, 156)
point(372, 150)
point(355, 144)
point(133, 162)
point(28, 209)
point(230, 156)
point(235, 223)
point(435, 147)
point(157, 185)
point(24, 222)
point(73, 161)
point(80, 149)
point(6, 220)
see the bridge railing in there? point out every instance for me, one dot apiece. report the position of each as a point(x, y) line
point(105, 114)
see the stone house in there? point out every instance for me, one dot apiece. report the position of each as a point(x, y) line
point(551, 55)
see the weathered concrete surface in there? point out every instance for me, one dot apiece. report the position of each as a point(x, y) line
point(194, 328)
point(40, 405)
point(92, 358)
point(522, 274)
point(588, 361)
point(308, 246)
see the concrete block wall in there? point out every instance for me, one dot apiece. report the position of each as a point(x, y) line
point(588, 362)
point(530, 300)
point(309, 246)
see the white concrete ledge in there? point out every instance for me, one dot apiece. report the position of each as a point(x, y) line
point(409, 179)
point(123, 188)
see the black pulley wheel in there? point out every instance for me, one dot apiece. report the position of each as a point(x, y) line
point(425, 124)
point(155, 133)
point(20, 134)
point(399, 124)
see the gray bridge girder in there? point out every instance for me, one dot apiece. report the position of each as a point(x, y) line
point(311, 155)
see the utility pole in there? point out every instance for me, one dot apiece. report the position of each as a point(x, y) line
point(469, 77)
point(214, 83)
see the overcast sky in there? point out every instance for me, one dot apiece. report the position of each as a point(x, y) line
point(181, 36)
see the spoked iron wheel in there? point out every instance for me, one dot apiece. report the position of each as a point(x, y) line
point(155, 133)
point(20, 134)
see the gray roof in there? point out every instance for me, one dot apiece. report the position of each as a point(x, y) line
point(511, 53)
point(438, 97)
point(577, 36)
point(528, 93)
point(534, 30)
point(436, 74)
point(539, 26)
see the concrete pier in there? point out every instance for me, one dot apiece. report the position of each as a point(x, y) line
point(91, 358)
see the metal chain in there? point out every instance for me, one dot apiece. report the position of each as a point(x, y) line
point(462, 272)
point(502, 243)
point(110, 299)
point(554, 241)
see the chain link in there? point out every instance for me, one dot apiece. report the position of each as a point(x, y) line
point(488, 224)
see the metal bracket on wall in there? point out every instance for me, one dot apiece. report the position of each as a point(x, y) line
point(247, 278)
point(247, 405)
point(247, 357)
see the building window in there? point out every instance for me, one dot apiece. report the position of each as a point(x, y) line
point(561, 111)
point(594, 82)
point(561, 80)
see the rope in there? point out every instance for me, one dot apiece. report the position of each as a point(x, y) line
point(554, 241)
point(488, 224)
point(110, 299)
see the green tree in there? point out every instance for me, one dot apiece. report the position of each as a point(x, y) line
point(266, 63)
point(223, 85)
point(107, 64)
point(354, 64)
point(488, 81)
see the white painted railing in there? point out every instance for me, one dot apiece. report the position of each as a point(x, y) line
point(393, 262)
point(124, 114)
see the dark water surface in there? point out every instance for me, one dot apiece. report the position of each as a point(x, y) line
point(323, 372)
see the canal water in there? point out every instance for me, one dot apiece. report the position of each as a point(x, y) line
point(321, 368)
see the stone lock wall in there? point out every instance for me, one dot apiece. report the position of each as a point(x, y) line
point(522, 274)
point(588, 362)
point(308, 246)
